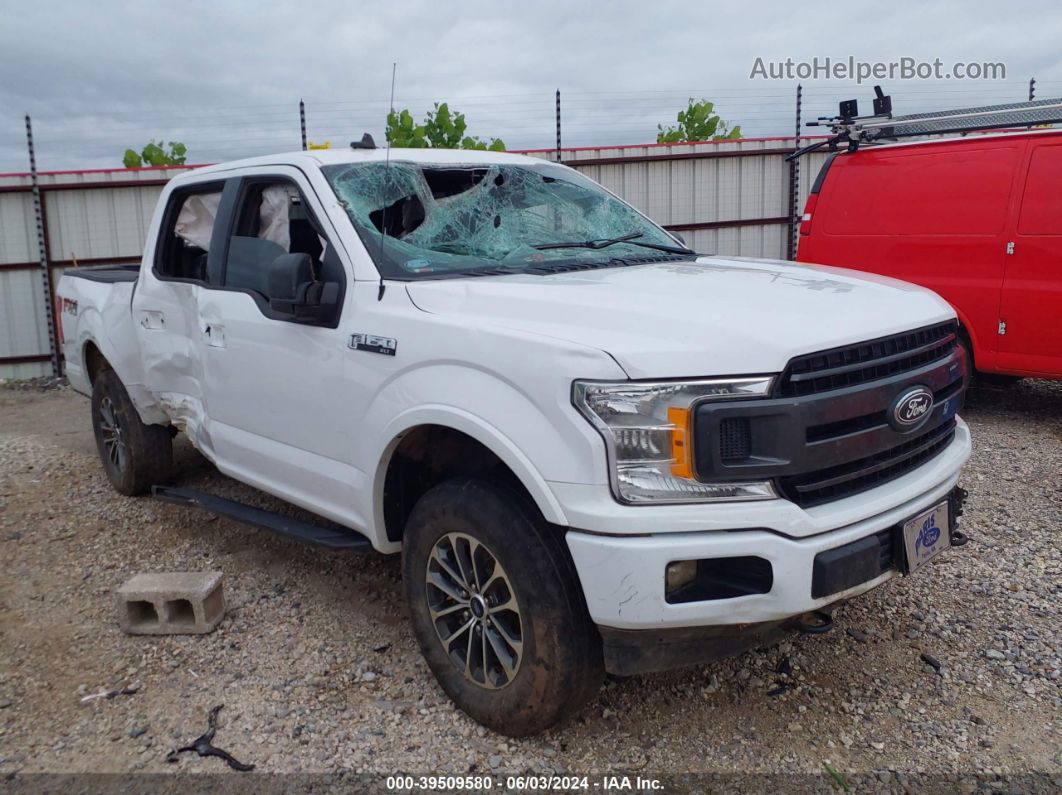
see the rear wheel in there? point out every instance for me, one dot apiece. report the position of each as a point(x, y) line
point(135, 456)
point(992, 379)
point(497, 608)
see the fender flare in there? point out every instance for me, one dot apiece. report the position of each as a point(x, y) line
point(483, 432)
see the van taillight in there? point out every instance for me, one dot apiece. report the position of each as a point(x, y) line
point(809, 210)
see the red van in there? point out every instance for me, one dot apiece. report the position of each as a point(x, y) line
point(977, 219)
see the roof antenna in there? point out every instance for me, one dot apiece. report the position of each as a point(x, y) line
point(387, 173)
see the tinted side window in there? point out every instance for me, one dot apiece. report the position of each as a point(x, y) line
point(1041, 205)
point(187, 226)
point(271, 220)
point(921, 192)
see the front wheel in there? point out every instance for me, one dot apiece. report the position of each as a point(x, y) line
point(135, 456)
point(497, 608)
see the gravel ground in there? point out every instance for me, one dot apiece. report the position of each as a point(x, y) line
point(318, 670)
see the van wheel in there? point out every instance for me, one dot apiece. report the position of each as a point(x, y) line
point(135, 456)
point(497, 607)
point(991, 379)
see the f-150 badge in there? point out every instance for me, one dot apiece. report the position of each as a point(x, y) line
point(388, 346)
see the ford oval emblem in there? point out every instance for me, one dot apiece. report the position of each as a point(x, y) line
point(911, 408)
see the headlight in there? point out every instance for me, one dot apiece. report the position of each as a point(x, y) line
point(647, 430)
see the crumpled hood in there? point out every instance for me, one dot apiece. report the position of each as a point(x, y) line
point(705, 317)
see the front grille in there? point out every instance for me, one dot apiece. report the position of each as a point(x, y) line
point(875, 419)
point(829, 431)
point(832, 483)
point(735, 440)
point(867, 361)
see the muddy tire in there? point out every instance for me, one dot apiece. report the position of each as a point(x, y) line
point(135, 456)
point(497, 607)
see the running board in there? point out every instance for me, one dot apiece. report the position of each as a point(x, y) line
point(326, 537)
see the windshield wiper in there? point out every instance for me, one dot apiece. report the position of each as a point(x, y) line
point(596, 244)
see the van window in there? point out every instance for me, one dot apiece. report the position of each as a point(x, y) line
point(1041, 204)
point(963, 191)
point(185, 237)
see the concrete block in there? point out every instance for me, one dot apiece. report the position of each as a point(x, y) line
point(171, 603)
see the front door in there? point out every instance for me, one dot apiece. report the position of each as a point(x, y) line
point(1031, 304)
point(274, 387)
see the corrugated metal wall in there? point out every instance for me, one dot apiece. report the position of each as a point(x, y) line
point(726, 197)
point(92, 218)
point(723, 197)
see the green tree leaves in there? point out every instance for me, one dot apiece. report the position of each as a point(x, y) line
point(441, 129)
point(155, 155)
point(697, 123)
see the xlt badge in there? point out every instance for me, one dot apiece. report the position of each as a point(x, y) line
point(388, 346)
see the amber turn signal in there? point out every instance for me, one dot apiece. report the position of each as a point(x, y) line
point(680, 447)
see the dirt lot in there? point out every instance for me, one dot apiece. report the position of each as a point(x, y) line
point(318, 670)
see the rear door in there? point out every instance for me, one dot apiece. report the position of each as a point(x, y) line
point(278, 408)
point(165, 305)
point(1031, 304)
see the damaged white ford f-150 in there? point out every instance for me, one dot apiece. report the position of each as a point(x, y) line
point(595, 449)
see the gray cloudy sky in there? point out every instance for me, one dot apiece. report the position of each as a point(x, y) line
point(226, 78)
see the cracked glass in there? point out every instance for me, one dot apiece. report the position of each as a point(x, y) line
point(425, 221)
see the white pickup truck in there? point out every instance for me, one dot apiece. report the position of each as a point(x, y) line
point(595, 449)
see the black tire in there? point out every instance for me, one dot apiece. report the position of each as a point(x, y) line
point(967, 347)
point(135, 456)
point(559, 667)
point(977, 377)
point(998, 379)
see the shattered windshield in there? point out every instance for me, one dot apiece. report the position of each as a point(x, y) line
point(425, 221)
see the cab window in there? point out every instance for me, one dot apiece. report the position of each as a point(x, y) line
point(184, 240)
point(272, 219)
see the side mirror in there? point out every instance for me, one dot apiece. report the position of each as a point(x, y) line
point(294, 290)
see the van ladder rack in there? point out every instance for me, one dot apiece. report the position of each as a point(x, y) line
point(848, 127)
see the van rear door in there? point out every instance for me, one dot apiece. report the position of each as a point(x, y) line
point(1031, 303)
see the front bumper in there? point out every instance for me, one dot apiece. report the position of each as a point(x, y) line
point(623, 575)
point(628, 652)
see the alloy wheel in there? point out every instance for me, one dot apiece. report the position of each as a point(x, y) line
point(111, 431)
point(474, 610)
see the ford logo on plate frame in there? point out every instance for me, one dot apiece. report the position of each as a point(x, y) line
point(911, 408)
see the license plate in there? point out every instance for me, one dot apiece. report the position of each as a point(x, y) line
point(926, 536)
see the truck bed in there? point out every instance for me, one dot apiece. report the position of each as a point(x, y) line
point(95, 307)
point(108, 274)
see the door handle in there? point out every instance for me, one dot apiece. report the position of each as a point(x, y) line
point(215, 335)
point(152, 319)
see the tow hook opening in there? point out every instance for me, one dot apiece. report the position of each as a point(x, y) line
point(816, 622)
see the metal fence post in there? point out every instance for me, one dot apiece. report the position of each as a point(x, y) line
point(794, 184)
point(558, 127)
point(42, 251)
point(302, 122)
point(1032, 89)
